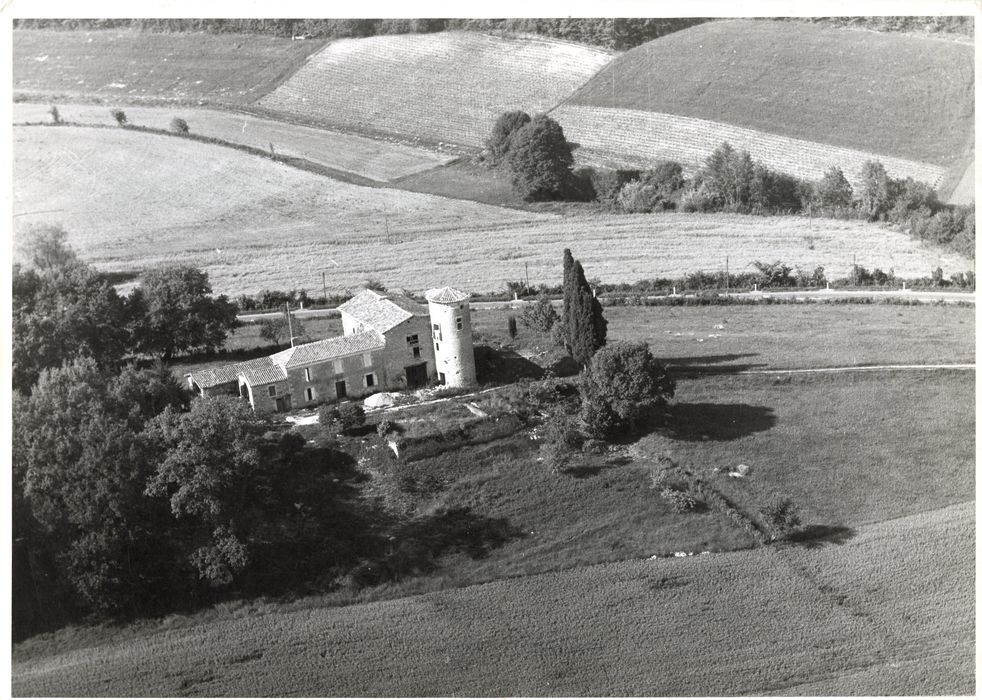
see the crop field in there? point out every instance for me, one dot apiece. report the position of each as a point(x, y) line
point(901, 96)
point(370, 158)
point(261, 224)
point(892, 607)
point(634, 138)
point(449, 86)
point(135, 65)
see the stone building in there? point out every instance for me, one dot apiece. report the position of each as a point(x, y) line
point(390, 343)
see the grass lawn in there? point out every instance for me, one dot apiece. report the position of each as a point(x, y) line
point(777, 336)
point(890, 611)
point(129, 64)
point(765, 76)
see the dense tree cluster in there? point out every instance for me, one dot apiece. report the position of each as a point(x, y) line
point(64, 309)
point(536, 152)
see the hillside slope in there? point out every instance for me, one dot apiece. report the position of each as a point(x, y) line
point(891, 608)
point(252, 224)
point(449, 86)
point(123, 63)
point(893, 95)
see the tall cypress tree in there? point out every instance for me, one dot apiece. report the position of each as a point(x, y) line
point(583, 321)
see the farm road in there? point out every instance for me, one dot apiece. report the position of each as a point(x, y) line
point(923, 297)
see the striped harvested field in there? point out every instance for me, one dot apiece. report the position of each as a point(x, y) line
point(892, 94)
point(370, 158)
point(252, 224)
point(636, 138)
point(888, 612)
point(137, 65)
point(449, 86)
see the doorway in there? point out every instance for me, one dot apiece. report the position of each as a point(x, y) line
point(415, 375)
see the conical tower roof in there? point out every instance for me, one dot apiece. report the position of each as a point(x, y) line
point(446, 295)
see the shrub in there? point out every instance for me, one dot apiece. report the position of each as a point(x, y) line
point(540, 315)
point(512, 327)
point(55, 114)
point(341, 418)
point(119, 115)
point(179, 126)
point(781, 517)
point(386, 426)
point(622, 386)
point(775, 274)
point(681, 501)
point(656, 190)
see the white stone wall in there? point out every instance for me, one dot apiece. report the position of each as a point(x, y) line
point(453, 347)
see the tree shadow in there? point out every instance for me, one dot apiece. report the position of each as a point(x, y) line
point(414, 548)
point(711, 364)
point(697, 422)
point(503, 366)
point(586, 471)
point(816, 536)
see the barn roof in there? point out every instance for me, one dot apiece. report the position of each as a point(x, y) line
point(381, 311)
point(447, 295)
point(329, 349)
point(213, 376)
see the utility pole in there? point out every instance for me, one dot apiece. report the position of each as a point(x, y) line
point(324, 284)
point(528, 288)
point(289, 323)
point(727, 274)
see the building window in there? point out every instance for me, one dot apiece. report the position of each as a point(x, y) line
point(412, 340)
point(272, 390)
point(310, 393)
point(460, 323)
point(416, 353)
point(370, 379)
point(306, 373)
point(338, 367)
point(341, 389)
point(443, 378)
point(366, 359)
point(436, 346)
point(437, 335)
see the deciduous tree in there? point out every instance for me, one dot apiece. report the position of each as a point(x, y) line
point(540, 160)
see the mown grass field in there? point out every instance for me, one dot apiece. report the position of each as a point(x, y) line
point(622, 138)
point(254, 224)
point(374, 159)
point(449, 86)
point(901, 96)
point(135, 65)
point(889, 611)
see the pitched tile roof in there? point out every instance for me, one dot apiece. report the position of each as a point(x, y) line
point(261, 371)
point(329, 349)
point(381, 311)
point(447, 295)
point(214, 376)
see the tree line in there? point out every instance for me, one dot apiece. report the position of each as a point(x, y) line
point(612, 33)
point(63, 309)
point(540, 158)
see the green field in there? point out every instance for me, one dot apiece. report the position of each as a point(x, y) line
point(448, 86)
point(137, 66)
point(254, 224)
point(901, 96)
point(890, 611)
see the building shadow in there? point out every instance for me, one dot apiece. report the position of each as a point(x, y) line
point(698, 422)
point(503, 366)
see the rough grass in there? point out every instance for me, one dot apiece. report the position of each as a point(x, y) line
point(134, 65)
point(374, 159)
point(253, 224)
point(628, 138)
point(892, 608)
point(449, 86)
point(901, 96)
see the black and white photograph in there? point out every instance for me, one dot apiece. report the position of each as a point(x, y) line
point(409, 351)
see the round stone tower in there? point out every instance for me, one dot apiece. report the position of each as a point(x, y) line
point(450, 325)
